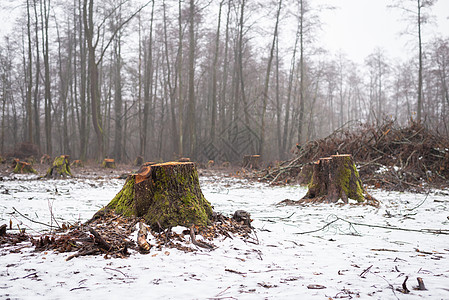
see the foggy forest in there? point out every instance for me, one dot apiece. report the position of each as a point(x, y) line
point(209, 80)
point(219, 149)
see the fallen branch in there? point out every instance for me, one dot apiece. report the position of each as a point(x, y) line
point(31, 220)
point(424, 230)
point(99, 240)
point(82, 253)
point(197, 243)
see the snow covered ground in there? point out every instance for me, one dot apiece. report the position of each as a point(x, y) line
point(343, 260)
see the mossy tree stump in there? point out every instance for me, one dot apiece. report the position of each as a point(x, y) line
point(335, 178)
point(60, 168)
point(22, 167)
point(251, 161)
point(108, 163)
point(165, 195)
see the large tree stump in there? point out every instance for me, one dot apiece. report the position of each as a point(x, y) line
point(60, 168)
point(22, 167)
point(164, 195)
point(335, 178)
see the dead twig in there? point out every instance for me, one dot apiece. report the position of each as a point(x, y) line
point(424, 230)
point(31, 220)
point(100, 240)
point(197, 243)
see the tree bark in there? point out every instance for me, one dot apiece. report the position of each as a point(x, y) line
point(334, 178)
point(164, 195)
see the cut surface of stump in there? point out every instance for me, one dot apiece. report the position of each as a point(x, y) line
point(334, 178)
point(108, 163)
point(60, 168)
point(165, 195)
point(251, 161)
point(22, 167)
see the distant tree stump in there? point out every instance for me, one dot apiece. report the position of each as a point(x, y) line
point(77, 164)
point(210, 164)
point(108, 163)
point(45, 159)
point(164, 195)
point(145, 166)
point(251, 161)
point(60, 168)
point(335, 178)
point(184, 159)
point(22, 167)
point(138, 161)
point(226, 164)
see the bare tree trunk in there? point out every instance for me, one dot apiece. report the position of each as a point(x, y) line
point(30, 78)
point(191, 105)
point(267, 81)
point(83, 111)
point(171, 90)
point(37, 129)
point(148, 84)
point(224, 87)
point(93, 75)
point(214, 78)
point(302, 73)
point(179, 73)
point(63, 91)
point(118, 103)
point(420, 68)
point(45, 14)
point(285, 135)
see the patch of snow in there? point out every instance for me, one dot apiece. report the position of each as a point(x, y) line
point(349, 260)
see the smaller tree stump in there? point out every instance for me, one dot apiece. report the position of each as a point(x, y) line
point(165, 195)
point(210, 164)
point(138, 161)
point(226, 164)
point(45, 159)
point(108, 163)
point(60, 168)
point(145, 166)
point(22, 167)
point(184, 159)
point(77, 164)
point(336, 177)
point(251, 161)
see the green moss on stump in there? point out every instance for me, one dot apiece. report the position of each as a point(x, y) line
point(60, 168)
point(164, 195)
point(22, 167)
point(335, 178)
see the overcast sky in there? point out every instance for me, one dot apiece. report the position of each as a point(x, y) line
point(356, 27)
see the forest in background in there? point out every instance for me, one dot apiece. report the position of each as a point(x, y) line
point(202, 79)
